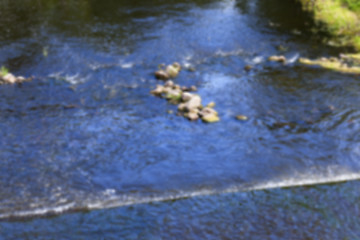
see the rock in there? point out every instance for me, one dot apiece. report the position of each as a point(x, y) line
point(170, 111)
point(281, 59)
point(241, 117)
point(174, 95)
point(194, 102)
point(186, 96)
point(177, 66)
point(211, 105)
point(193, 88)
point(181, 107)
point(189, 89)
point(9, 78)
point(177, 87)
point(192, 116)
point(20, 79)
point(207, 111)
point(195, 110)
point(169, 83)
point(210, 118)
point(248, 67)
point(158, 90)
point(167, 89)
point(162, 75)
point(184, 89)
point(171, 71)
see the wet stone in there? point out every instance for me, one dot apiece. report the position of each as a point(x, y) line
point(186, 96)
point(210, 118)
point(207, 111)
point(169, 83)
point(194, 102)
point(161, 75)
point(211, 105)
point(281, 59)
point(241, 117)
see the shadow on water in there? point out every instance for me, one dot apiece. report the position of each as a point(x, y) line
point(86, 134)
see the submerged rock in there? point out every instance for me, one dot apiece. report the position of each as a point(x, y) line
point(242, 117)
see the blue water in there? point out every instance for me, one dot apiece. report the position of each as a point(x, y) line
point(88, 153)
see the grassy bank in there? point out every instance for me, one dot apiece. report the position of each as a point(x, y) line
point(341, 18)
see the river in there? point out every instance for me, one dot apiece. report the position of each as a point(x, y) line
point(88, 153)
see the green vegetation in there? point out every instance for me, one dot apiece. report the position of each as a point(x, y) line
point(341, 18)
point(3, 71)
point(353, 5)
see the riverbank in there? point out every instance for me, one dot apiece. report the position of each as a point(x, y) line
point(340, 18)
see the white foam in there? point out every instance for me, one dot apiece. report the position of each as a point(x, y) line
point(39, 211)
point(257, 60)
point(293, 58)
point(111, 200)
point(127, 65)
point(72, 79)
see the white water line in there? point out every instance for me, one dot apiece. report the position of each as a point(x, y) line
point(126, 200)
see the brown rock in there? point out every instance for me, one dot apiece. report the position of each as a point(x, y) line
point(192, 116)
point(241, 117)
point(181, 107)
point(281, 59)
point(162, 75)
point(248, 67)
point(158, 90)
point(193, 88)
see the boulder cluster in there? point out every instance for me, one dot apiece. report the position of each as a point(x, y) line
point(189, 104)
point(11, 79)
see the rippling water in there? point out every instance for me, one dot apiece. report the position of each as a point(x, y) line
point(86, 134)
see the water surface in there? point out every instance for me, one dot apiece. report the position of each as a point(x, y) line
point(86, 134)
